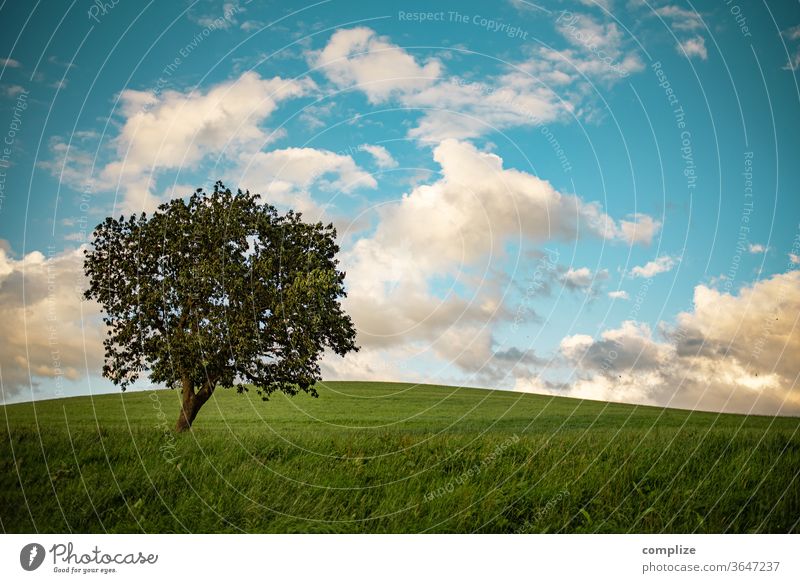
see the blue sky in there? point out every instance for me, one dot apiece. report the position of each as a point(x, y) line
point(595, 199)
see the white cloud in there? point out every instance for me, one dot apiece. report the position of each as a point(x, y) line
point(452, 107)
point(731, 353)
point(660, 265)
point(522, 95)
point(175, 130)
point(48, 330)
point(459, 109)
point(795, 259)
point(756, 248)
point(582, 278)
point(454, 229)
point(578, 278)
point(793, 34)
point(680, 18)
point(599, 49)
point(573, 67)
point(360, 57)
point(285, 176)
point(685, 22)
point(13, 90)
point(381, 155)
point(625, 347)
point(694, 47)
point(794, 61)
point(302, 167)
point(370, 364)
point(575, 346)
point(619, 295)
point(641, 229)
point(252, 25)
point(593, 3)
point(216, 21)
point(10, 63)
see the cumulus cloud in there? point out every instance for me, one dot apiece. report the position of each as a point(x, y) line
point(216, 21)
point(12, 91)
point(794, 61)
point(660, 265)
point(629, 346)
point(172, 130)
point(177, 129)
point(583, 278)
point(552, 84)
point(598, 48)
point(734, 353)
point(595, 3)
point(504, 365)
point(304, 166)
point(453, 230)
point(756, 248)
point(686, 24)
point(793, 34)
point(381, 155)
point(360, 57)
point(640, 229)
point(284, 176)
point(371, 364)
point(680, 18)
point(578, 278)
point(694, 47)
point(573, 67)
point(49, 332)
point(10, 63)
point(453, 108)
point(619, 295)
point(459, 109)
point(521, 95)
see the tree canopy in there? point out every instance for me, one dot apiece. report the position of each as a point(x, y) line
point(219, 289)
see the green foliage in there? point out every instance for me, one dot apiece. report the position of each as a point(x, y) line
point(219, 289)
point(374, 457)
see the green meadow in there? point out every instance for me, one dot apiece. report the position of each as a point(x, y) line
point(393, 458)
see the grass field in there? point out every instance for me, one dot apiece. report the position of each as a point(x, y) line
point(385, 457)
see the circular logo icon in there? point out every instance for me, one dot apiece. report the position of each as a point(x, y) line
point(31, 556)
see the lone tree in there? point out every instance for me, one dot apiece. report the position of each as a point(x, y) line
point(218, 290)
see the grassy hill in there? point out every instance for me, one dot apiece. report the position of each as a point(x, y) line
point(388, 457)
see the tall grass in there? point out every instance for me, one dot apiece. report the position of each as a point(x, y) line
point(385, 457)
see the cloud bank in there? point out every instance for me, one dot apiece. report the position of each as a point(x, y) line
point(732, 352)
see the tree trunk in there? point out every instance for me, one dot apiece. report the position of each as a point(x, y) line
point(191, 403)
point(189, 407)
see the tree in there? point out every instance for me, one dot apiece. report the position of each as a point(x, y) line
point(219, 290)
